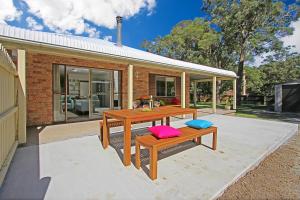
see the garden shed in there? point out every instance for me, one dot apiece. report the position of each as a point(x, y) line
point(287, 97)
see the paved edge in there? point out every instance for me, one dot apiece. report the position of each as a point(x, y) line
point(252, 166)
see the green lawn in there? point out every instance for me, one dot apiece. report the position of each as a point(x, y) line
point(206, 105)
point(245, 110)
point(248, 115)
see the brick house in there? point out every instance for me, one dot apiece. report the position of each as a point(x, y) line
point(72, 78)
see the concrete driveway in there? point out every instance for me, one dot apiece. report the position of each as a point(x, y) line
point(79, 168)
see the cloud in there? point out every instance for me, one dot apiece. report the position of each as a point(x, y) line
point(91, 31)
point(107, 38)
point(293, 40)
point(33, 24)
point(74, 15)
point(8, 11)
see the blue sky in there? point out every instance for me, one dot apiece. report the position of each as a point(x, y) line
point(142, 19)
point(166, 14)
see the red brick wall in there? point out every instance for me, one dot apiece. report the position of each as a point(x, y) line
point(39, 83)
point(39, 90)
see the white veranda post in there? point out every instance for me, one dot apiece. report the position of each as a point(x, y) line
point(214, 94)
point(130, 87)
point(21, 54)
point(183, 89)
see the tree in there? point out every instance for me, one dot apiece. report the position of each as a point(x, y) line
point(280, 68)
point(194, 41)
point(255, 80)
point(277, 72)
point(189, 40)
point(251, 27)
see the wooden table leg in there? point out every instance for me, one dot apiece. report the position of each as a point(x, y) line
point(195, 114)
point(196, 140)
point(168, 121)
point(153, 123)
point(214, 145)
point(127, 143)
point(153, 163)
point(137, 155)
point(105, 132)
point(199, 140)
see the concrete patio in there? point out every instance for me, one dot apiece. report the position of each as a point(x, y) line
point(79, 168)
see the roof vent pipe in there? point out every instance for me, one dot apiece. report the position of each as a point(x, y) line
point(119, 31)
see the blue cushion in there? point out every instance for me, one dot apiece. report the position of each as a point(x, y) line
point(198, 123)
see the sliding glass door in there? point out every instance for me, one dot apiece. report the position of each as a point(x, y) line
point(59, 89)
point(77, 93)
point(101, 93)
point(81, 93)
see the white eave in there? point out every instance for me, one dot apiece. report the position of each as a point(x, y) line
point(102, 47)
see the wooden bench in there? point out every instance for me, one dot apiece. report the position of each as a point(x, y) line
point(111, 123)
point(154, 145)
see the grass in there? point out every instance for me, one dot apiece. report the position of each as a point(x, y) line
point(252, 106)
point(247, 115)
point(207, 105)
point(245, 110)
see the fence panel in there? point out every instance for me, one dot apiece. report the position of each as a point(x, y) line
point(8, 111)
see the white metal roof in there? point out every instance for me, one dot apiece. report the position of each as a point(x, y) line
point(103, 47)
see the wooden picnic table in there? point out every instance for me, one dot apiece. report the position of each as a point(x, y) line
point(129, 116)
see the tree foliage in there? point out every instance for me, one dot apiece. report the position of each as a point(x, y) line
point(251, 27)
point(261, 80)
point(192, 41)
point(254, 80)
point(279, 72)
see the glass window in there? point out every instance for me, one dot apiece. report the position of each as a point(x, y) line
point(59, 89)
point(117, 90)
point(101, 81)
point(165, 86)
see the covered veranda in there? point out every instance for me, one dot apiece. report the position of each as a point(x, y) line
point(213, 80)
point(195, 74)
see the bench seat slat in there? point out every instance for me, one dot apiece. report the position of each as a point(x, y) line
point(187, 133)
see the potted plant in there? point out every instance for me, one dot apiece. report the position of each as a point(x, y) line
point(228, 102)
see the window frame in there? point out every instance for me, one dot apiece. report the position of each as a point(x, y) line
point(166, 89)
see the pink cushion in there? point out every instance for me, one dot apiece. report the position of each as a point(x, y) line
point(164, 131)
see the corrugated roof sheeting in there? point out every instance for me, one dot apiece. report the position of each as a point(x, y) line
point(103, 47)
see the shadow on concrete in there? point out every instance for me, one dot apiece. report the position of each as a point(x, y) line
point(23, 180)
point(33, 137)
point(116, 141)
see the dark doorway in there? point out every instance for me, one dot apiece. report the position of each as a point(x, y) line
point(291, 98)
